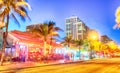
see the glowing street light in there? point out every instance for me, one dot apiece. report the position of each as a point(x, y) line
point(93, 35)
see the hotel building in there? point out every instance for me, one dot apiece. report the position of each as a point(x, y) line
point(76, 28)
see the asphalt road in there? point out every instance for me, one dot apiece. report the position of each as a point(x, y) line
point(92, 66)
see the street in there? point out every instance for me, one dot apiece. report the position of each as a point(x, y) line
point(92, 66)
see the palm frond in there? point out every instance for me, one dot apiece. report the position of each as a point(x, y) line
point(1, 5)
point(24, 10)
point(57, 29)
point(45, 30)
point(54, 34)
point(1, 1)
point(24, 4)
point(2, 24)
point(68, 41)
point(22, 13)
point(2, 14)
point(16, 19)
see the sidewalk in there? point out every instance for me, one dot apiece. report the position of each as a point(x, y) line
point(19, 65)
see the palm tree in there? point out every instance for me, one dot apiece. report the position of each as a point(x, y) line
point(52, 28)
point(79, 44)
point(91, 47)
point(105, 48)
point(8, 8)
point(46, 31)
point(111, 46)
point(67, 41)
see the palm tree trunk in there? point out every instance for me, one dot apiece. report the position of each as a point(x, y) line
point(79, 54)
point(50, 45)
point(45, 48)
point(90, 50)
point(68, 44)
point(4, 41)
point(103, 53)
point(3, 52)
point(45, 52)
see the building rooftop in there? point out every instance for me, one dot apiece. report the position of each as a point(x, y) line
point(29, 38)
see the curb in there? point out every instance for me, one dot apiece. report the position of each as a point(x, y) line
point(47, 64)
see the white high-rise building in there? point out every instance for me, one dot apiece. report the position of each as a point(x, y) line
point(76, 28)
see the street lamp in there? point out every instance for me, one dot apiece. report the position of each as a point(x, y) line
point(93, 35)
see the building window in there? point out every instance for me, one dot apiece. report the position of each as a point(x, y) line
point(80, 28)
point(67, 21)
point(68, 26)
point(68, 31)
point(78, 20)
point(79, 25)
point(79, 36)
point(79, 31)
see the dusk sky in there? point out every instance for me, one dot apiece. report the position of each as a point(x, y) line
point(96, 14)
